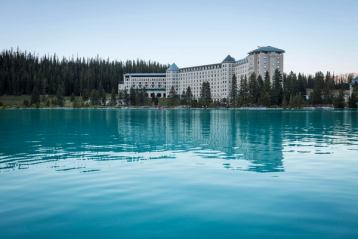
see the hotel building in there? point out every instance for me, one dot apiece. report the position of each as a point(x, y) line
point(258, 61)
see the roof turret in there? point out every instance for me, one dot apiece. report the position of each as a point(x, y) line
point(173, 67)
point(229, 59)
point(267, 49)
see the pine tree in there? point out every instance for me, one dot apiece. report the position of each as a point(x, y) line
point(173, 98)
point(243, 91)
point(155, 100)
point(276, 90)
point(352, 103)
point(113, 97)
point(188, 94)
point(260, 82)
point(172, 93)
point(265, 98)
point(60, 101)
point(205, 96)
point(316, 95)
point(253, 89)
point(338, 101)
point(126, 97)
point(267, 82)
point(141, 96)
point(183, 97)
point(72, 99)
point(132, 96)
point(233, 91)
point(102, 94)
point(328, 86)
point(35, 96)
point(296, 101)
point(85, 95)
point(301, 84)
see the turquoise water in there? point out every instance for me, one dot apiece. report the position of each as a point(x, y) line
point(178, 174)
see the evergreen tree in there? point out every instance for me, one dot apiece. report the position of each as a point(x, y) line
point(276, 90)
point(260, 83)
point(310, 82)
point(265, 98)
point(85, 95)
point(183, 98)
point(60, 101)
point(155, 100)
point(72, 99)
point(243, 91)
point(296, 101)
point(328, 87)
point(102, 95)
point(301, 84)
point(132, 96)
point(188, 94)
point(141, 96)
point(94, 97)
point(35, 96)
point(26, 103)
point(126, 97)
point(205, 95)
point(253, 89)
point(352, 103)
point(267, 82)
point(113, 97)
point(289, 87)
point(172, 93)
point(233, 91)
point(316, 95)
point(339, 100)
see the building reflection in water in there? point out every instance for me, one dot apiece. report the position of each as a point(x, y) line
point(225, 134)
point(256, 138)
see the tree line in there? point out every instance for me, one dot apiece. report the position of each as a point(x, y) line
point(25, 73)
point(284, 90)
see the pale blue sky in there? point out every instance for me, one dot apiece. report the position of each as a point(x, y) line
point(316, 34)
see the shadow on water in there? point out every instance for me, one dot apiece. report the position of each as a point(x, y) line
point(256, 137)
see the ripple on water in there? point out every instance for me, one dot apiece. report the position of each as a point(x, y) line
point(178, 173)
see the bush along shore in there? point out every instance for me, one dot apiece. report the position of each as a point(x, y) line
point(29, 81)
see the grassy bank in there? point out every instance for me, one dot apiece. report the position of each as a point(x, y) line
point(22, 101)
point(46, 101)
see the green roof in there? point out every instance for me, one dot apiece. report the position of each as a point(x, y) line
point(267, 49)
point(229, 59)
point(173, 67)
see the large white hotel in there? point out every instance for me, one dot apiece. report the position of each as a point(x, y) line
point(258, 61)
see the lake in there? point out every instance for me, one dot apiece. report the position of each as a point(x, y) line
point(178, 173)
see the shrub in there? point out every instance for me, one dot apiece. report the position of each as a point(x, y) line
point(26, 103)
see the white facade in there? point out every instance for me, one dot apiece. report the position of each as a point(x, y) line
point(258, 61)
point(153, 83)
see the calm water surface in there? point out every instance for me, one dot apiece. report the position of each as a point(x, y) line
point(178, 174)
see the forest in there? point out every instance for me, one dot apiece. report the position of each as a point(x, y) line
point(23, 72)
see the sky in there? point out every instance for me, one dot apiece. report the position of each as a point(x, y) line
point(317, 35)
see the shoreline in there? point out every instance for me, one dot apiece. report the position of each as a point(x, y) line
point(172, 108)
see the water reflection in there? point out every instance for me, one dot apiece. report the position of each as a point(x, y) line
point(244, 139)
